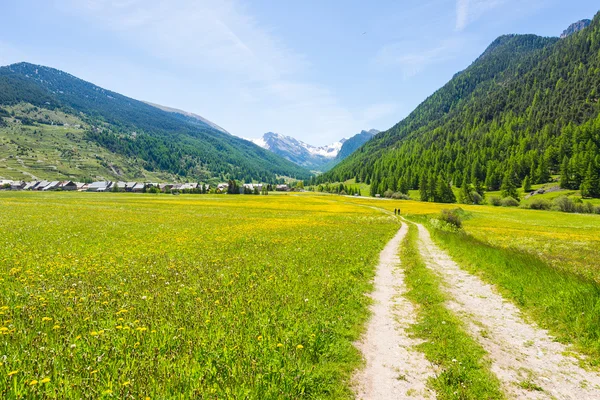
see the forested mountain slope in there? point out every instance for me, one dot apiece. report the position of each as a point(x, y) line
point(152, 139)
point(528, 106)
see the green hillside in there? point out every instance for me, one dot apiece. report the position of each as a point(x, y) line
point(117, 137)
point(527, 107)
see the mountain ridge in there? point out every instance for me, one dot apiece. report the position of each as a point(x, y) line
point(189, 115)
point(316, 158)
point(528, 106)
point(155, 139)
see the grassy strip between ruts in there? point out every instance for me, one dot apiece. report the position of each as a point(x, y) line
point(464, 369)
point(565, 304)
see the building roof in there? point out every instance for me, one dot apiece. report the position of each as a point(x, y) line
point(51, 185)
point(98, 185)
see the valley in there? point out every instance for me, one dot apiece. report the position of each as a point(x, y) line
point(147, 252)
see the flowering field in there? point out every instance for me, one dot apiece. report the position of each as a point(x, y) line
point(569, 242)
point(136, 296)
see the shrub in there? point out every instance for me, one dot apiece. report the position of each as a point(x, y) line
point(476, 197)
point(564, 204)
point(153, 189)
point(388, 194)
point(495, 201)
point(400, 196)
point(452, 217)
point(509, 202)
point(540, 204)
point(597, 209)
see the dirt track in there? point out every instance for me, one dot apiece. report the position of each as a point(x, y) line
point(394, 370)
point(529, 364)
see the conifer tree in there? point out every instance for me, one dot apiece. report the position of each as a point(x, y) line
point(526, 184)
point(423, 190)
point(464, 196)
point(565, 176)
point(431, 187)
point(590, 187)
point(508, 188)
point(443, 191)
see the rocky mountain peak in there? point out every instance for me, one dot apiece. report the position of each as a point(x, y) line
point(576, 27)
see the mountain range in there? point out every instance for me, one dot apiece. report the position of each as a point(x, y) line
point(314, 158)
point(528, 107)
point(55, 125)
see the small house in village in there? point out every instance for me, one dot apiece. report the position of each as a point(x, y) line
point(51, 186)
point(100, 186)
point(29, 185)
point(67, 185)
point(165, 186)
point(17, 185)
point(41, 185)
point(138, 187)
point(120, 186)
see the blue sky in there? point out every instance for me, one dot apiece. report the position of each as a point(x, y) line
point(318, 70)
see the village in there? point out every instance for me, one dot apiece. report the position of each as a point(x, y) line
point(230, 187)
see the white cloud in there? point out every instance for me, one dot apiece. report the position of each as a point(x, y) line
point(206, 35)
point(468, 11)
point(462, 14)
point(412, 59)
point(261, 78)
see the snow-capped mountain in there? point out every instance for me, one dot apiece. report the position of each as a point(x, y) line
point(312, 157)
point(298, 152)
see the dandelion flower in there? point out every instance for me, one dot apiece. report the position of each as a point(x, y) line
point(126, 383)
point(279, 345)
point(11, 373)
point(33, 382)
point(46, 319)
point(259, 338)
point(299, 347)
point(45, 380)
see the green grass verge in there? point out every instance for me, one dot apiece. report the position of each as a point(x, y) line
point(465, 372)
point(565, 304)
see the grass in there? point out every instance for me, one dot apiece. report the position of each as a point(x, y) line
point(464, 370)
point(56, 151)
point(566, 304)
point(128, 296)
point(567, 242)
